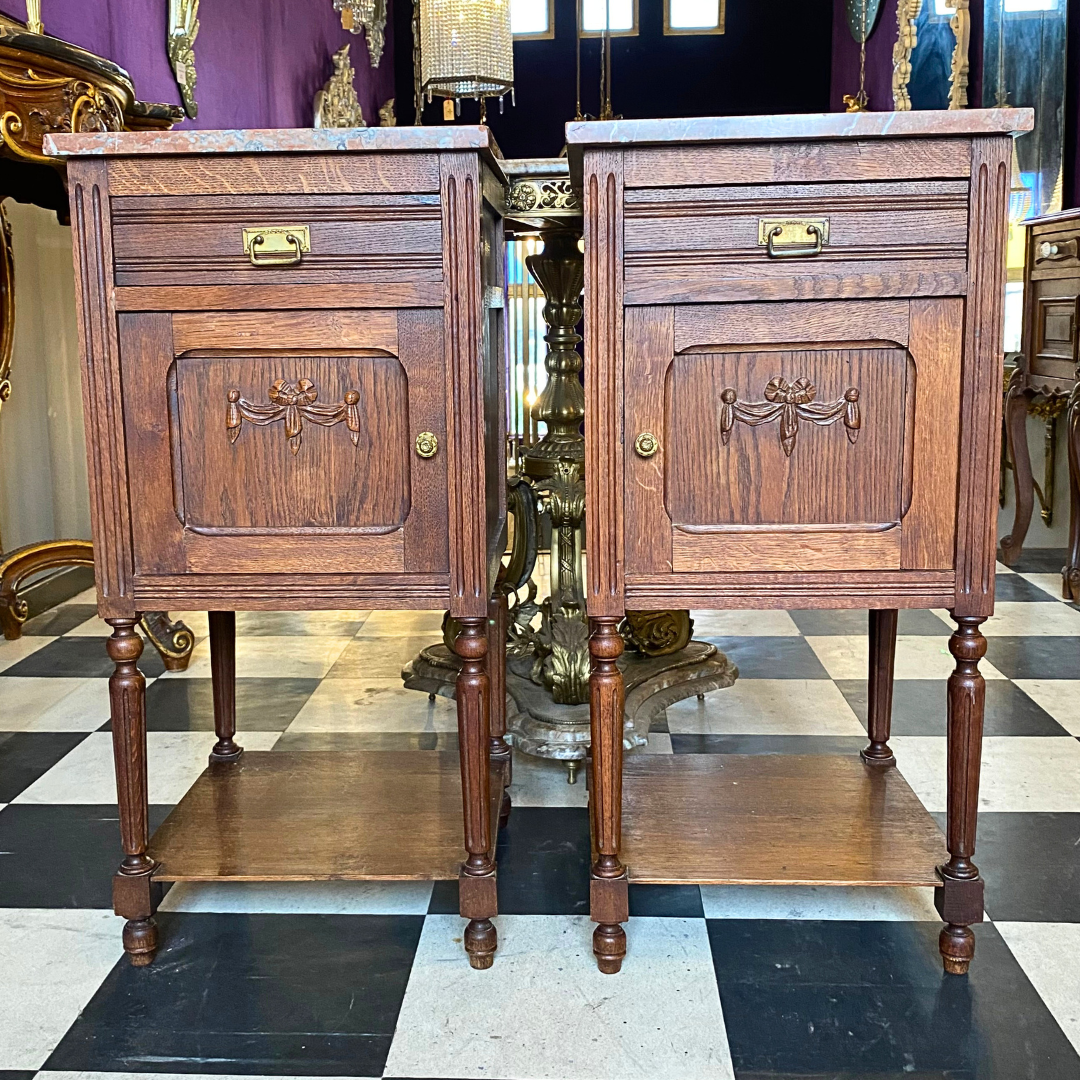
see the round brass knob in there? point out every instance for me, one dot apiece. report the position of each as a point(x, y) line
point(427, 444)
point(646, 444)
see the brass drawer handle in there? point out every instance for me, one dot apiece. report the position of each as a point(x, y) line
point(646, 444)
point(276, 245)
point(427, 444)
point(787, 239)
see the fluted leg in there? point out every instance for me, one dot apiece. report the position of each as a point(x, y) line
point(223, 672)
point(476, 882)
point(608, 896)
point(496, 666)
point(1023, 478)
point(1070, 574)
point(959, 898)
point(880, 688)
point(134, 894)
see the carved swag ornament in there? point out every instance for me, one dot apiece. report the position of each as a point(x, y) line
point(790, 403)
point(294, 403)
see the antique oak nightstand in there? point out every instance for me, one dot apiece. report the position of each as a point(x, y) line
point(292, 384)
point(793, 378)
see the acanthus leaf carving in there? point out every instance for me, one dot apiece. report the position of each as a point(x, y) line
point(294, 403)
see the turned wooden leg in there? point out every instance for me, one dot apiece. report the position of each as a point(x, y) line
point(476, 882)
point(608, 895)
point(496, 667)
point(959, 898)
point(223, 673)
point(880, 688)
point(135, 895)
point(1023, 479)
point(1070, 574)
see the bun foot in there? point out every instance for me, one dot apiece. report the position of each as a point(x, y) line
point(609, 947)
point(957, 945)
point(140, 941)
point(481, 941)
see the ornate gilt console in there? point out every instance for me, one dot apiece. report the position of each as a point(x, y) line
point(793, 390)
point(293, 388)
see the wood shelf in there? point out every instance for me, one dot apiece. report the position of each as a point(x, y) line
point(320, 816)
point(743, 819)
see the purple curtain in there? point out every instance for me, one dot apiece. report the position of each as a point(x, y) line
point(259, 62)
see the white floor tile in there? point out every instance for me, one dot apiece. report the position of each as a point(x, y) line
point(767, 707)
point(93, 627)
point(1050, 583)
point(1020, 774)
point(11, 652)
point(379, 658)
point(1059, 697)
point(659, 743)
point(271, 658)
point(87, 596)
point(542, 782)
point(660, 1018)
point(43, 704)
point(1047, 952)
point(743, 624)
point(175, 760)
point(1013, 619)
point(818, 902)
point(402, 624)
point(1001, 568)
point(917, 657)
point(359, 705)
point(302, 897)
point(53, 962)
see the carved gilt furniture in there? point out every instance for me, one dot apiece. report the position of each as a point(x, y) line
point(1045, 378)
point(292, 378)
point(793, 394)
point(48, 85)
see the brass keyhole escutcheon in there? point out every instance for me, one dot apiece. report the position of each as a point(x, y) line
point(646, 444)
point(427, 444)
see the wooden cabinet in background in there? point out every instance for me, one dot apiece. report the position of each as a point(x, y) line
point(292, 358)
point(793, 379)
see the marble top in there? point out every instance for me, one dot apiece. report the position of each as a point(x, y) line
point(861, 125)
point(270, 141)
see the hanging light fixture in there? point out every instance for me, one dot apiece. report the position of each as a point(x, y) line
point(466, 50)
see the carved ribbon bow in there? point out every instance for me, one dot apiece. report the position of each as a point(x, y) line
point(790, 402)
point(295, 403)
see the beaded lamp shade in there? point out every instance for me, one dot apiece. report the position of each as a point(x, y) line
point(466, 49)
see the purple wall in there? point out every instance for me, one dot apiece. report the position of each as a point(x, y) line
point(259, 62)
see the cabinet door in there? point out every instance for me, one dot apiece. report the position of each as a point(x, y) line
point(792, 437)
point(286, 442)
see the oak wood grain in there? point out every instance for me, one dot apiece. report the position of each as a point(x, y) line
point(378, 553)
point(386, 294)
point(318, 330)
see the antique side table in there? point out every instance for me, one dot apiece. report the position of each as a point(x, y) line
point(293, 393)
point(1047, 369)
point(793, 391)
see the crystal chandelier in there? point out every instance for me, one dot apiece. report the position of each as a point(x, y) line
point(466, 49)
point(369, 16)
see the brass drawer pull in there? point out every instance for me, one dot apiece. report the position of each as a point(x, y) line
point(276, 245)
point(427, 444)
point(646, 444)
point(787, 239)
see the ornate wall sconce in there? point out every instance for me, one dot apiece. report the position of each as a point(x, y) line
point(183, 29)
point(369, 16)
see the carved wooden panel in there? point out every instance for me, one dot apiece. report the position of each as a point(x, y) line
point(786, 436)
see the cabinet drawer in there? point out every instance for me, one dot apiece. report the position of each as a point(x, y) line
point(350, 239)
point(701, 244)
point(1055, 251)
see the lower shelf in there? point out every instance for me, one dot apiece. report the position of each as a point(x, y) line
point(748, 819)
point(320, 816)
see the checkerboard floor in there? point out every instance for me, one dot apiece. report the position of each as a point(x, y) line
point(341, 979)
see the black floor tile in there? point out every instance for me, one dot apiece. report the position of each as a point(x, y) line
point(59, 620)
point(828, 622)
point(79, 657)
point(543, 857)
point(771, 657)
point(847, 745)
point(666, 901)
point(261, 704)
point(1031, 865)
point(314, 995)
point(1014, 587)
point(61, 855)
point(26, 755)
point(869, 999)
point(1040, 561)
point(1035, 657)
point(366, 740)
point(17, 1074)
point(919, 708)
point(294, 624)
